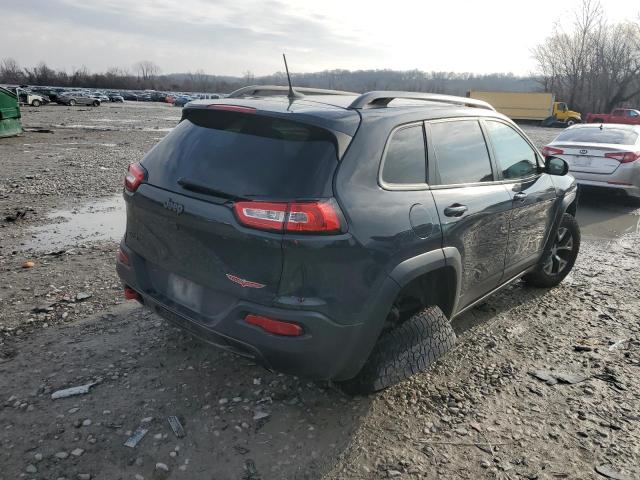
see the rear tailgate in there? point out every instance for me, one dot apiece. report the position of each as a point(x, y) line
point(181, 220)
point(200, 256)
point(590, 157)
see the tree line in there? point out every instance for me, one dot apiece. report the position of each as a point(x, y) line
point(146, 75)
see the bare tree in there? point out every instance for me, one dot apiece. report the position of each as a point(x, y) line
point(594, 65)
point(10, 71)
point(146, 70)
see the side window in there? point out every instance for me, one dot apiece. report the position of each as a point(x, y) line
point(633, 113)
point(461, 152)
point(515, 158)
point(405, 158)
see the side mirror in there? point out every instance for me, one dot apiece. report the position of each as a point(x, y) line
point(556, 166)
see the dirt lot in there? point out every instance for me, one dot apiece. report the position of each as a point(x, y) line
point(479, 413)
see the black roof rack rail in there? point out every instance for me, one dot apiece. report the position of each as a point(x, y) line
point(268, 91)
point(382, 99)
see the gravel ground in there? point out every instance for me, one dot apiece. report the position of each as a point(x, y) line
point(502, 405)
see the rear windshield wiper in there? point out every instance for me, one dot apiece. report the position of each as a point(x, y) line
point(200, 188)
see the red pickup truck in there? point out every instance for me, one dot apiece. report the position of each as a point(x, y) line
point(619, 115)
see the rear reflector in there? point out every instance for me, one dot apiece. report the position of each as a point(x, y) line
point(131, 294)
point(306, 217)
point(122, 257)
point(277, 327)
point(623, 157)
point(551, 151)
point(134, 177)
point(232, 108)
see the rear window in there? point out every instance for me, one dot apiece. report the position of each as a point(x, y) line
point(405, 159)
point(246, 155)
point(596, 135)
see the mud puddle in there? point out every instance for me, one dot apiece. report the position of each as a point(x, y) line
point(99, 220)
point(605, 217)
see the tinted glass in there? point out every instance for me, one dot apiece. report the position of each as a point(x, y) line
point(516, 159)
point(405, 161)
point(245, 155)
point(596, 135)
point(461, 152)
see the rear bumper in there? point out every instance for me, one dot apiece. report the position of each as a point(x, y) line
point(630, 190)
point(625, 179)
point(326, 350)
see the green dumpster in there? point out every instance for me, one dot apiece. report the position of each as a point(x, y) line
point(9, 114)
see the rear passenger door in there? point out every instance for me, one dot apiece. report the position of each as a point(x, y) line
point(532, 194)
point(474, 208)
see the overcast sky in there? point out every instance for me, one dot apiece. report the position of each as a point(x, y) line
point(233, 36)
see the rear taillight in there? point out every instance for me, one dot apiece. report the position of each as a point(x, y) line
point(623, 157)
point(307, 217)
point(134, 177)
point(277, 327)
point(551, 151)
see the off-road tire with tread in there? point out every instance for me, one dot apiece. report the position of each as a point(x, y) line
point(539, 278)
point(404, 351)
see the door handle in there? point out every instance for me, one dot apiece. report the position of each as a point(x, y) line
point(519, 197)
point(455, 210)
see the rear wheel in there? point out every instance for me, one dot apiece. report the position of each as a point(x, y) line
point(404, 351)
point(558, 261)
point(96, 103)
point(72, 102)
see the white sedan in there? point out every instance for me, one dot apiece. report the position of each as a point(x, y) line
point(601, 155)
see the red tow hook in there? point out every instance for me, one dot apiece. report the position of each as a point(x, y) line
point(131, 294)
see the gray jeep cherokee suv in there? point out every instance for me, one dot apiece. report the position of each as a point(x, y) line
point(335, 235)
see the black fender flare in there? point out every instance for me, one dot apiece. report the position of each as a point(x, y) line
point(377, 311)
point(419, 265)
point(568, 203)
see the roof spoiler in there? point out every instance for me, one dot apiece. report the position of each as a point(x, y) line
point(382, 99)
point(273, 90)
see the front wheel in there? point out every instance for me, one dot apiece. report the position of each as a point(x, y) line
point(72, 103)
point(571, 122)
point(96, 103)
point(35, 103)
point(558, 260)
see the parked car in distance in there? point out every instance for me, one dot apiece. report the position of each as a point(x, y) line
point(77, 98)
point(335, 238)
point(115, 97)
point(27, 97)
point(602, 156)
point(182, 100)
point(627, 116)
point(129, 96)
point(103, 97)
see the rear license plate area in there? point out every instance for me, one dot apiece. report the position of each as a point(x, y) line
point(583, 161)
point(185, 292)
